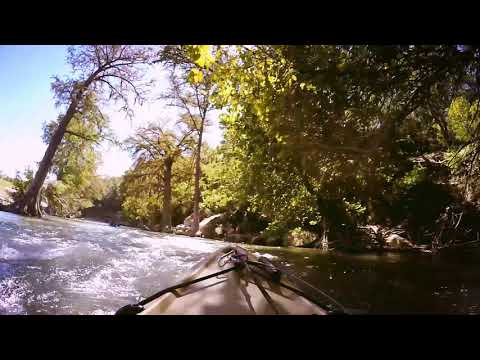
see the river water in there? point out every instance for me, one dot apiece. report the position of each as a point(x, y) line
point(57, 266)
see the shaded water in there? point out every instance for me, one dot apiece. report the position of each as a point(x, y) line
point(56, 266)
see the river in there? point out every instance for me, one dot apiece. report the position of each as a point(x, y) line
point(58, 266)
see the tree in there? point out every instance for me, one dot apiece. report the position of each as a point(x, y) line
point(190, 91)
point(153, 146)
point(105, 70)
point(327, 122)
point(76, 160)
point(224, 188)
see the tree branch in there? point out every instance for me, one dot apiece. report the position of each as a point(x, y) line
point(81, 136)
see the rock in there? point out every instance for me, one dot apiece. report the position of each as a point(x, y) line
point(369, 236)
point(207, 226)
point(373, 228)
point(181, 229)
point(189, 219)
point(181, 232)
point(157, 227)
point(259, 240)
point(397, 242)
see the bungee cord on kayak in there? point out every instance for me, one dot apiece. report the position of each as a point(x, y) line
point(133, 309)
point(246, 269)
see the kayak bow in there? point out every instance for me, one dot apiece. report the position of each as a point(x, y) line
point(232, 281)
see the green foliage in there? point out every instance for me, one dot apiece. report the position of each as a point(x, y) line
point(142, 187)
point(417, 175)
point(141, 192)
point(5, 179)
point(5, 183)
point(222, 185)
point(21, 183)
point(300, 237)
point(76, 160)
point(156, 152)
point(109, 192)
point(330, 131)
point(463, 118)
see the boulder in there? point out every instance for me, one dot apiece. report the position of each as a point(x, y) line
point(367, 237)
point(208, 226)
point(219, 230)
point(259, 240)
point(189, 219)
point(181, 229)
point(157, 227)
point(397, 242)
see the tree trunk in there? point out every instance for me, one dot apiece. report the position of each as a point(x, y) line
point(30, 203)
point(167, 195)
point(325, 234)
point(196, 195)
point(334, 214)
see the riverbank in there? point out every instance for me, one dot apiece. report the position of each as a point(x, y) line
point(368, 239)
point(6, 189)
point(113, 219)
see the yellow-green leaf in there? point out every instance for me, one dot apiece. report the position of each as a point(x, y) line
point(195, 76)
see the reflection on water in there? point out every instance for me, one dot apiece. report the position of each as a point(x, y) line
point(56, 266)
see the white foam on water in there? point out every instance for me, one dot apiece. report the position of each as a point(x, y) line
point(102, 312)
point(28, 240)
point(34, 267)
point(78, 267)
point(268, 256)
point(106, 283)
point(49, 254)
point(180, 263)
point(8, 253)
point(45, 298)
point(12, 292)
point(169, 241)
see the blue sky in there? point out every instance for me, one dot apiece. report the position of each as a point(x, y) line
point(26, 102)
